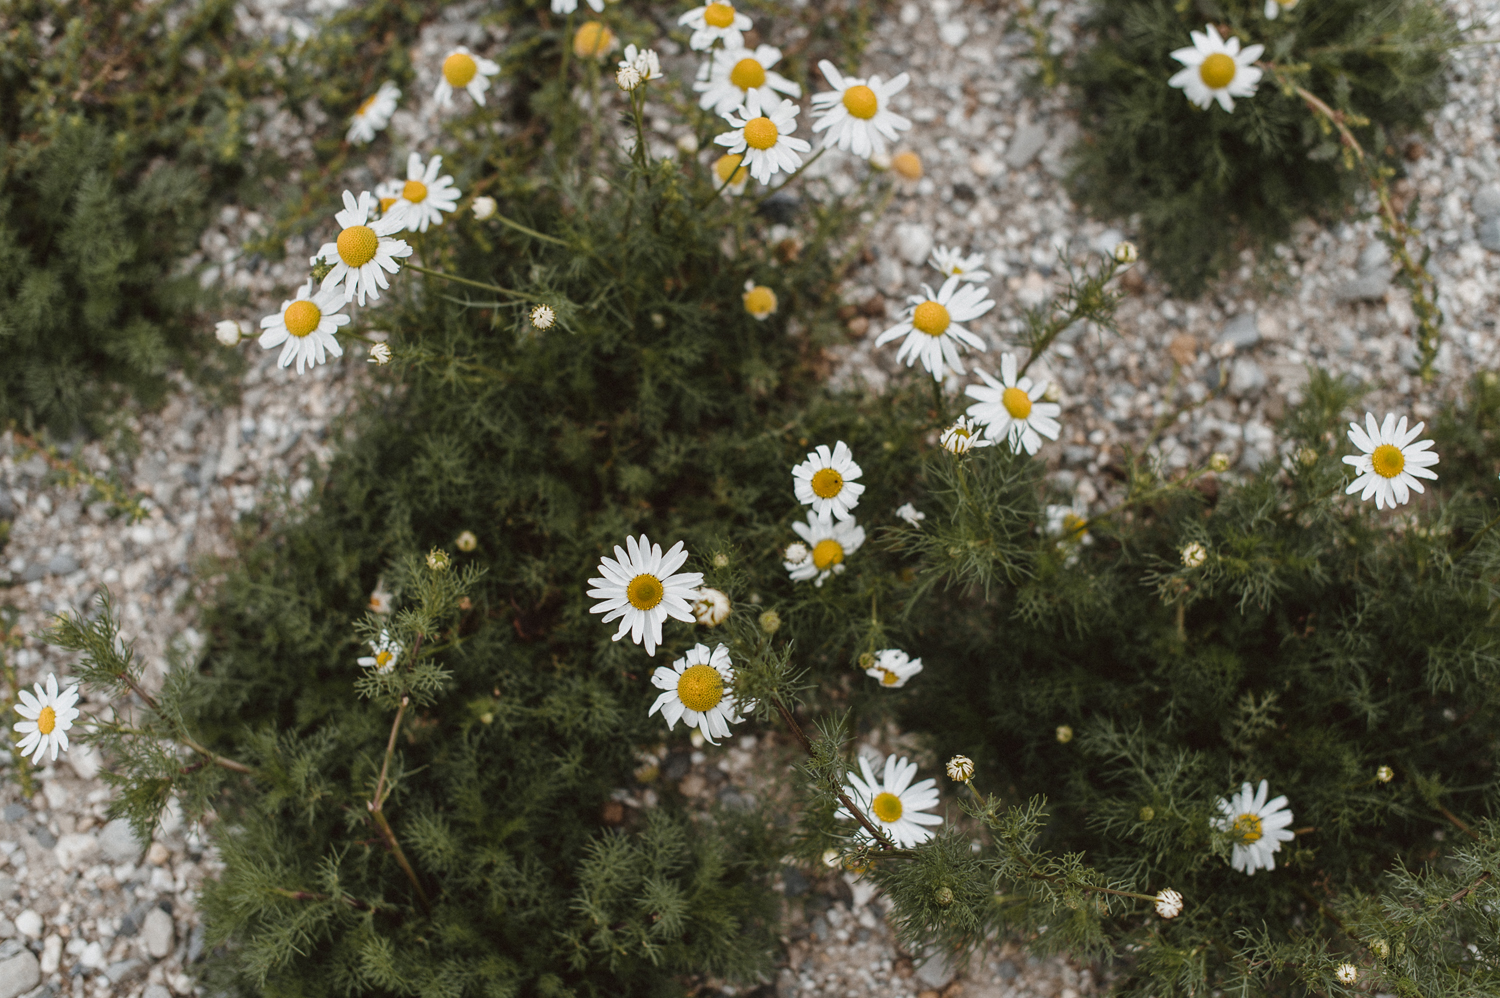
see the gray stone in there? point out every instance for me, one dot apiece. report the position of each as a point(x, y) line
point(786, 984)
point(119, 843)
point(1487, 201)
point(62, 564)
point(7, 928)
point(7, 887)
point(158, 933)
point(15, 812)
point(19, 974)
point(156, 991)
point(125, 970)
point(44, 836)
point(195, 944)
point(1366, 287)
point(1246, 377)
point(76, 850)
point(1025, 144)
point(1240, 332)
point(936, 971)
point(34, 571)
point(1489, 234)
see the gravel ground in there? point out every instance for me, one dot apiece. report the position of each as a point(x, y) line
point(86, 910)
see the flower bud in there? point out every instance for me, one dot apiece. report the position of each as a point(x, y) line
point(1385, 774)
point(380, 355)
point(1381, 949)
point(484, 207)
point(1346, 973)
point(1219, 462)
point(721, 560)
point(1126, 253)
point(960, 769)
point(438, 560)
point(1194, 555)
point(796, 553)
point(711, 607)
point(1169, 903)
point(227, 332)
point(542, 317)
point(770, 622)
point(1064, 734)
point(944, 896)
point(466, 541)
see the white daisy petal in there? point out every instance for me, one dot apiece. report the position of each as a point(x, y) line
point(48, 715)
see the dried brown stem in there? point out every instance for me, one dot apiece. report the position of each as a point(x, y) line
point(213, 757)
point(865, 822)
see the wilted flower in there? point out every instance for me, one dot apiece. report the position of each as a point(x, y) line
point(380, 355)
point(711, 607)
point(1346, 973)
point(466, 541)
point(542, 317)
point(960, 769)
point(1126, 253)
point(911, 514)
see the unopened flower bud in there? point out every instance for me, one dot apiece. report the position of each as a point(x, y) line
point(1126, 253)
point(628, 78)
point(1385, 774)
point(832, 859)
point(1064, 734)
point(721, 560)
point(1148, 812)
point(1219, 462)
point(1307, 456)
point(960, 769)
point(227, 332)
point(1169, 903)
point(944, 896)
point(1194, 555)
point(770, 622)
point(484, 207)
point(466, 541)
point(796, 553)
point(438, 560)
point(1381, 949)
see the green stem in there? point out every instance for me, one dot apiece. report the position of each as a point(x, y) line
point(849, 805)
point(464, 280)
point(529, 231)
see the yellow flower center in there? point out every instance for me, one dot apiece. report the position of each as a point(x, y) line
point(1016, 402)
point(644, 592)
point(930, 318)
point(760, 133)
point(700, 688)
point(1388, 460)
point(1247, 827)
point(301, 318)
point(889, 679)
point(908, 164)
point(827, 483)
point(385, 204)
point(382, 657)
point(827, 553)
point(887, 807)
point(592, 39)
point(357, 245)
point(1073, 523)
point(860, 101)
point(1217, 71)
point(366, 105)
point(46, 720)
point(760, 300)
point(414, 191)
point(727, 168)
point(748, 74)
point(459, 68)
point(718, 15)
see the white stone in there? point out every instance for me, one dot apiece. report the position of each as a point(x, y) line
point(936, 971)
point(30, 924)
point(93, 956)
point(158, 933)
point(953, 33)
point(19, 974)
point(51, 954)
point(76, 851)
point(85, 760)
point(156, 991)
point(119, 842)
point(56, 794)
point(914, 243)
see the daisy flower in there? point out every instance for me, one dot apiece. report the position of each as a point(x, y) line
point(893, 667)
point(568, 6)
point(306, 325)
point(763, 135)
point(385, 652)
point(48, 716)
point(953, 263)
point(759, 301)
point(1275, 7)
point(729, 74)
point(932, 328)
point(364, 252)
point(716, 22)
point(1009, 408)
point(910, 514)
point(645, 62)
point(484, 208)
point(962, 437)
point(856, 113)
point(1391, 464)
point(1069, 523)
point(374, 114)
point(639, 587)
point(593, 40)
point(893, 803)
point(1216, 70)
point(695, 692)
point(425, 196)
point(1259, 827)
point(828, 543)
point(729, 175)
point(826, 482)
point(463, 68)
point(711, 608)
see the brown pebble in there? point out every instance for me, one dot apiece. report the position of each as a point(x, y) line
point(613, 813)
point(858, 326)
point(1184, 349)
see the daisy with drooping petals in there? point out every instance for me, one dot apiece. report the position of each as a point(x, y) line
point(828, 544)
point(306, 326)
point(911, 514)
point(729, 74)
point(424, 196)
point(932, 329)
point(894, 804)
point(1216, 69)
point(695, 692)
point(639, 587)
point(48, 716)
point(759, 301)
point(1258, 827)
point(644, 61)
point(1011, 410)
point(364, 251)
point(568, 6)
point(763, 136)
point(826, 481)
point(953, 263)
point(857, 113)
point(463, 68)
point(893, 667)
point(384, 653)
point(1275, 7)
point(730, 177)
point(374, 114)
point(716, 22)
point(1391, 463)
point(963, 436)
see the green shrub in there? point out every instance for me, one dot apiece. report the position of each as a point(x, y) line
point(1202, 185)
